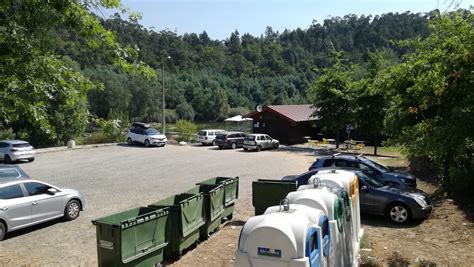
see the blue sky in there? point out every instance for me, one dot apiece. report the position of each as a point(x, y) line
point(221, 17)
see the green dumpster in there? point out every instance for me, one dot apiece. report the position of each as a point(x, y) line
point(214, 206)
point(231, 188)
point(267, 193)
point(187, 215)
point(135, 237)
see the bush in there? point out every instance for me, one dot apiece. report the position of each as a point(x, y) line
point(112, 128)
point(186, 130)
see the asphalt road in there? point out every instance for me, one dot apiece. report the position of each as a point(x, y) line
point(117, 178)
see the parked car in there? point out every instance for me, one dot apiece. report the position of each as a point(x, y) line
point(12, 172)
point(144, 134)
point(260, 141)
point(230, 140)
point(398, 203)
point(208, 136)
point(382, 173)
point(16, 150)
point(25, 203)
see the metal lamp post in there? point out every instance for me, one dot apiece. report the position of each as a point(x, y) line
point(163, 121)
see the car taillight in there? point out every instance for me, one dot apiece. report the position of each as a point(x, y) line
point(225, 137)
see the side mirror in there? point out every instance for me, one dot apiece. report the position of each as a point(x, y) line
point(52, 191)
point(364, 188)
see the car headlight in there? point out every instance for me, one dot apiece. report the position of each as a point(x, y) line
point(420, 200)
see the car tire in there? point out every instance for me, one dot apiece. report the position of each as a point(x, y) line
point(72, 210)
point(7, 160)
point(3, 231)
point(203, 143)
point(213, 143)
point(221, 147)
point(259, 148)
point(147, 143)
point(276, 146)
point(129, 141)
point(31, 160)
point(246, 149)
point(398, 213)
point(234, 145)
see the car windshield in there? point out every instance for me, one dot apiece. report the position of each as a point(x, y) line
point(21, 145)
point(151, 131)
point(376, 165)
point(370, 180)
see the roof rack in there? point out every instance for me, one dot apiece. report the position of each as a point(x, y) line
point(335, 155)
point(358, 156)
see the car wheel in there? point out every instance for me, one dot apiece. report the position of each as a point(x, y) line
point(203, 143)
point(398, 213)
point(31, 160)
point(72, 210)
point(221, 147)
point(259, 148)
point(129, 141)
point(246, 149)
point(3, 231)
point(234, 145)
point(7, 159)
point(147, 143)
point(276, 146)
point(213, 142)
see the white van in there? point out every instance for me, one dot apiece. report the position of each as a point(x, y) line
point(208, 137)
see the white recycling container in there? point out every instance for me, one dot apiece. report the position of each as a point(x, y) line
point(321, 198)
point(350, 183)
point(279, 239)
point(316, 217)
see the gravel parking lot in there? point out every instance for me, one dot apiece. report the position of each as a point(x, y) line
point(116, 178)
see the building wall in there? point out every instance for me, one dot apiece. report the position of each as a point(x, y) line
point(281, 129)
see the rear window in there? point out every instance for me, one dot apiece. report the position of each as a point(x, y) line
point(221, 136)
point(12, 191)
point(202, 133)
point(250, 137)
point(9, 173)
point(21, 145)
point(328, 163)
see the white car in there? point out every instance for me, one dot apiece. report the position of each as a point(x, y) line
point(15, 150)
point(259, 142)
point(208, 137)
point(144, 134)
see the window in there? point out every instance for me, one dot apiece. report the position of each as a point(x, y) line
point(36, 188)
point(3, 145)
point(328, 163)
point(202, 133)
point(12, 191)
point(268, 137)
point(261, 137)
point(21, 145)
point(313, 242)
point(342, 163)
point(9, 173)
point(325, 228)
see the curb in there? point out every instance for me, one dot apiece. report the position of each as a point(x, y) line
point(63, 148)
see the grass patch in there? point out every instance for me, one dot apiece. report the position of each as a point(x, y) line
point(94, 138)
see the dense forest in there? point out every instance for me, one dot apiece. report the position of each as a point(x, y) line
point(207, 80)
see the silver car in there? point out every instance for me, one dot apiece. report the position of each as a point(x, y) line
point(260, 141)
point(28, 202)
point(15, 150)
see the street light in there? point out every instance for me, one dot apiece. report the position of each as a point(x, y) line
point(163, 121)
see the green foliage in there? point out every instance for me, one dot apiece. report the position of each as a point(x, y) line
point(6, 133)
point(186, 130)
point(43, 96)
point(114, 129)
point(185, 111)
point(431, 97)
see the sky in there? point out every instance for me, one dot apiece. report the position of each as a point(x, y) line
point(219, 18)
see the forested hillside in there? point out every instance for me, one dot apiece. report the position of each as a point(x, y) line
point(207, 79)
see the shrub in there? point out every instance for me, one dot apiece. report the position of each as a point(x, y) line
point(186, 130)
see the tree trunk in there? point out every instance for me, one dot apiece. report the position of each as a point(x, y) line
point(337, 139)
point(375, 143)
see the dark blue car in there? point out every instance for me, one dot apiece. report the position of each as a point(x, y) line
point(382, 173)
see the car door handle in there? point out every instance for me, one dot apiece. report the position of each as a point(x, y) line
point(34, 203)
point(4, 208)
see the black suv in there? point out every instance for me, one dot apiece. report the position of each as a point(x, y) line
point(230, 139)
point(382, 173)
